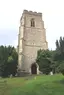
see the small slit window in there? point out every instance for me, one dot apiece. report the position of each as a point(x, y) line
point(32, 23)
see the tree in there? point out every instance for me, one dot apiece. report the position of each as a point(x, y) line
point(8, 61)
point(44, 61)
point(59, 55)
point(60, 68)
point(57, 45)
point(60, 45)
point(52, 60)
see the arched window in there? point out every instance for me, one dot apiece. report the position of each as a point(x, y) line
point(32, 23)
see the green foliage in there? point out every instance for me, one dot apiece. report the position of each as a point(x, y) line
point(44, 61)
point(59, 56)
point(60, 45)
point(8, 61)
point(52, 60)
point(60, 68)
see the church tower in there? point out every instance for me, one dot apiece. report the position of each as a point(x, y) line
point(31, 38)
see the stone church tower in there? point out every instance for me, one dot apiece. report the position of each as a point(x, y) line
point(31, 38)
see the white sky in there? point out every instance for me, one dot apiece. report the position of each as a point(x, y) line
point(11, 11)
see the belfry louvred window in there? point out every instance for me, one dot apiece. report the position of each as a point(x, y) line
point(32, 23)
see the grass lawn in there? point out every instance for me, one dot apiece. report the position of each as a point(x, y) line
point(42, 85)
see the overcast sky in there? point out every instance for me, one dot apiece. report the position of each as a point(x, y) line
point(11, 11)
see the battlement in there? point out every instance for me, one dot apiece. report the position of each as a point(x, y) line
point(32, 13)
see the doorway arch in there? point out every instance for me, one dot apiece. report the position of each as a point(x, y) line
point(33, 68)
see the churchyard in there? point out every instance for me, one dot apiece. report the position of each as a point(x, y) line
point(33, 85)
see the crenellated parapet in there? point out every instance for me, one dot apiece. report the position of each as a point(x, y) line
point(32, 13)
